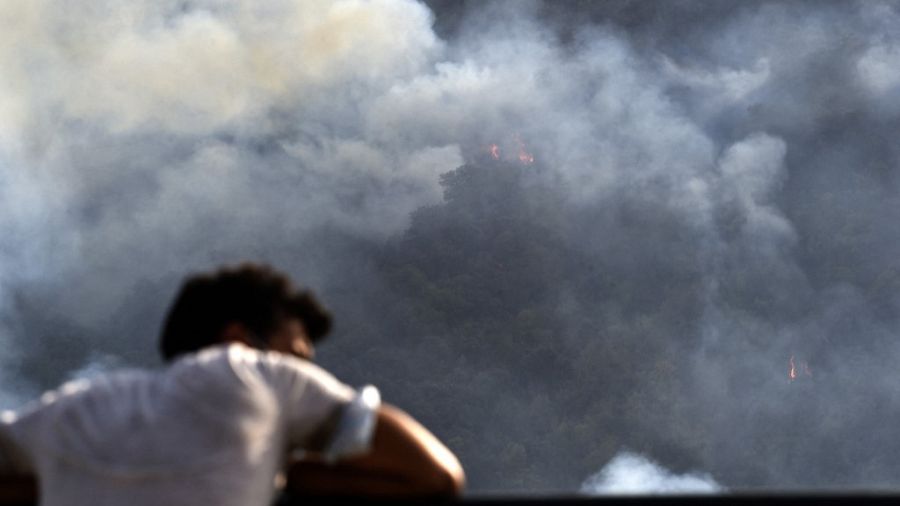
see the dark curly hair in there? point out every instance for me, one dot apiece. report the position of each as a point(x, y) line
point(254, 295)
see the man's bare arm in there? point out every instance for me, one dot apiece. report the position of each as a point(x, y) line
point(405, 460)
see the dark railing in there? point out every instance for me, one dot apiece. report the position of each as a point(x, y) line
point(22, 491)
point(738, 499)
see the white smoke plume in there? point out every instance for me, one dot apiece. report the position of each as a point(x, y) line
point(632, 474)
point(143, 140)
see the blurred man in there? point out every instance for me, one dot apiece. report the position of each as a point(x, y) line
point(227, 417)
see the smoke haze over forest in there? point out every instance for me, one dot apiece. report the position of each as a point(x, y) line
point(711, 206)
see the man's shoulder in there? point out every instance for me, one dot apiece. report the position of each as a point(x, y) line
point(97, 385)
point(232, 356)
point(246, 363)
point(66, 413)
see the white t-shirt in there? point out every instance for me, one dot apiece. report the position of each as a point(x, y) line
point(214, 428)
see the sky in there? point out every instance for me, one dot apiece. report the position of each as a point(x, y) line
point(748, 143)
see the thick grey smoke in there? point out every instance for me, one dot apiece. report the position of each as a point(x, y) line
point(732, 165)
point(145, 140)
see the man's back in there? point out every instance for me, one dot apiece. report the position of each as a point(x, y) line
point(213, 428)
point(217, 425)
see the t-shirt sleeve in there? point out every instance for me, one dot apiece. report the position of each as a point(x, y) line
point(353, 432)
point(321, 413)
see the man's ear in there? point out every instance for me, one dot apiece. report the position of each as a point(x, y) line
point(236, 332)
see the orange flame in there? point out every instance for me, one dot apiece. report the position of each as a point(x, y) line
point(524, 156)
point(794, 373)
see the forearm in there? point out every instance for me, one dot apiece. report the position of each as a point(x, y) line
point(405, 459)
point(320, 479)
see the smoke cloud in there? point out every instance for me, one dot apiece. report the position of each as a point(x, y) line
point(144, 140)
point(718, 183)
point(632, 474)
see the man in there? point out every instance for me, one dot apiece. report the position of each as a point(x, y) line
point(219, 424)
